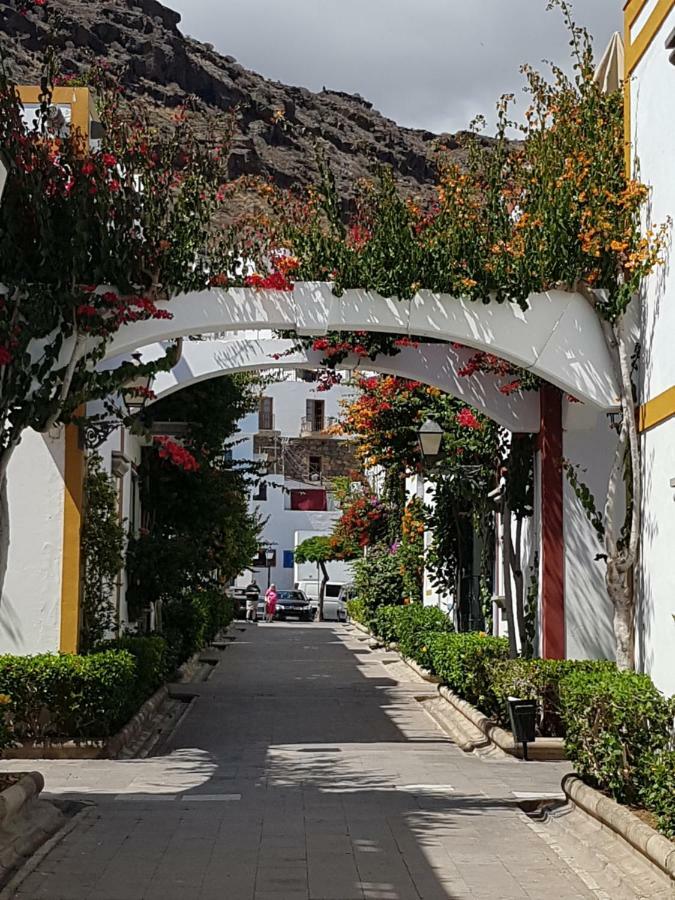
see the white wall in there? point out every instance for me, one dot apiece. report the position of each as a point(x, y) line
point(30, 612)
point(652, 114)
point(589, 442)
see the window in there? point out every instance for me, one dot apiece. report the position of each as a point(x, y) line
point(315, 467)
point(266, 414)
point(261, 493)
point(311, 500)
point(316, 414)
point(288, 559)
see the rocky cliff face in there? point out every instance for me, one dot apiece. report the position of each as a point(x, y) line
point(162, 67)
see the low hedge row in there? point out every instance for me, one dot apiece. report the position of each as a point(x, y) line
point(617, 726)
point(51, 697)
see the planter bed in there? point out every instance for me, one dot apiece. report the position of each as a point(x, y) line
point(654, 848)
point(26, 821)
point(137, 730)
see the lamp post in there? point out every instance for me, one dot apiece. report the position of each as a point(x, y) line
point(269, 559)
point(430, 437)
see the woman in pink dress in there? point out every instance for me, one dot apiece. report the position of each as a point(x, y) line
point(270, 603)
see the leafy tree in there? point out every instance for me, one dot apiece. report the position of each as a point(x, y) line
point(197, 530)
point(319, 550)
point(92, 238)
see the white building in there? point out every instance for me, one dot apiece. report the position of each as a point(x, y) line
point(290, 435)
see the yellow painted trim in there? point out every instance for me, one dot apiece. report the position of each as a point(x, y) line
point(78, 98)
point(635, 50)
point(72, 528)
point(657, 410)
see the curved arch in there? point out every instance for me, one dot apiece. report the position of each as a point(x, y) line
point(433, 364)
point(558, 338)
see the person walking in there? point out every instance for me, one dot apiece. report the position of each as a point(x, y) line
point(252, 599)
point(270, 603)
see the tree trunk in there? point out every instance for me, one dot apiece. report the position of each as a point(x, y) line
point(508, 588)
point(322, 590)
point(4, 515)
point(620, 591)
point(519, 580)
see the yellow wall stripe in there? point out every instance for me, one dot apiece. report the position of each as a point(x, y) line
point(657, 410)
point(72, 527)
point(635, 50)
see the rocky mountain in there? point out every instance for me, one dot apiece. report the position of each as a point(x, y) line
point(278, 125)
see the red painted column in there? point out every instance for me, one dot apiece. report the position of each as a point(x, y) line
point(552, 542)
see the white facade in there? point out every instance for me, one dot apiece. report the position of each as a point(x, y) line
point(284, 527)
point(651, 111)
point(30, 611)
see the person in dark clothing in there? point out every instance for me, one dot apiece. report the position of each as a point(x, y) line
point(252, 599)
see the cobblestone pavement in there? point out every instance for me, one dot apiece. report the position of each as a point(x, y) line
point(305, 770)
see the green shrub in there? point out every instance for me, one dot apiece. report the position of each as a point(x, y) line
point(416, 626)
point(356, 610)
point(538, 679)
point(378, 581)
point(151, 655)
point(658, 789)
point(385, 622)
point(68, 696)
point(217, 609)
point(613, 722)
point(465, 663)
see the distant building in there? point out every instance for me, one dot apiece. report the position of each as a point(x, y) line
point(292, 436)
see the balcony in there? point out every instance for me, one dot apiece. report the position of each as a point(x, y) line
point(313, 426)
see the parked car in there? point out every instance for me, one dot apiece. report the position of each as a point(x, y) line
point(290, 604)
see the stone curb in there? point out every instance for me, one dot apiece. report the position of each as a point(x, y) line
point(648, 842)
point(423, 673)
point(15, 797)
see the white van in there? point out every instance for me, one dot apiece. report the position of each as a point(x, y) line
point(334, 609)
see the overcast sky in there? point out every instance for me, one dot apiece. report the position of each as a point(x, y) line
point(425, 63)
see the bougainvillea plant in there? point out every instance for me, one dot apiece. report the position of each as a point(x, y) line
point(555, 210)
point(92, 237)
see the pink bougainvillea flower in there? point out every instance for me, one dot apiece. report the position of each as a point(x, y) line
point(467, 419)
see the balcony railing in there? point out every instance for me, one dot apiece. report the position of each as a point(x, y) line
point(316, 426)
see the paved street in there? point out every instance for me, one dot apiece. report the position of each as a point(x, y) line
point(305, 770)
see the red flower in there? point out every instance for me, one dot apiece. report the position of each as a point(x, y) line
point(467, 419)
point(109, 161)
point(88, 168)
point(5, 356)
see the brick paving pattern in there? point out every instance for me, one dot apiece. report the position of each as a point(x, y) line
point(305, 770)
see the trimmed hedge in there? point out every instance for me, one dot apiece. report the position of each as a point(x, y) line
point(658, 789)
point(465, 663)
point(538, 679)
point(152, 659)
point(55, 697)
point(191, 622)
point(614, 722)
point(356, 610)
point(411, 627)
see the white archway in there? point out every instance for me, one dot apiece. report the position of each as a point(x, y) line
point(433, 364)
point(559, 337)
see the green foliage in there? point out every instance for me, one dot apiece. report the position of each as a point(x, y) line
point(411, 550)
point(191, 621)
point(151, 657)
point(586, 499)
point(315, 550)
point(412, 627)
point(613, 721)
point(538, 679)
point(102, 553)
point(465, 663)
point(198, 531)
point(377, 578)
point(68, 696)
point(357, 610)
point(658, 789)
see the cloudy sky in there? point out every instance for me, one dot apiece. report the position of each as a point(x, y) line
point(425, 63)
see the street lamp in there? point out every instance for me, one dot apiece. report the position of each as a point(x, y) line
point(430, 437)
point(269, 559)
point(136, 390)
